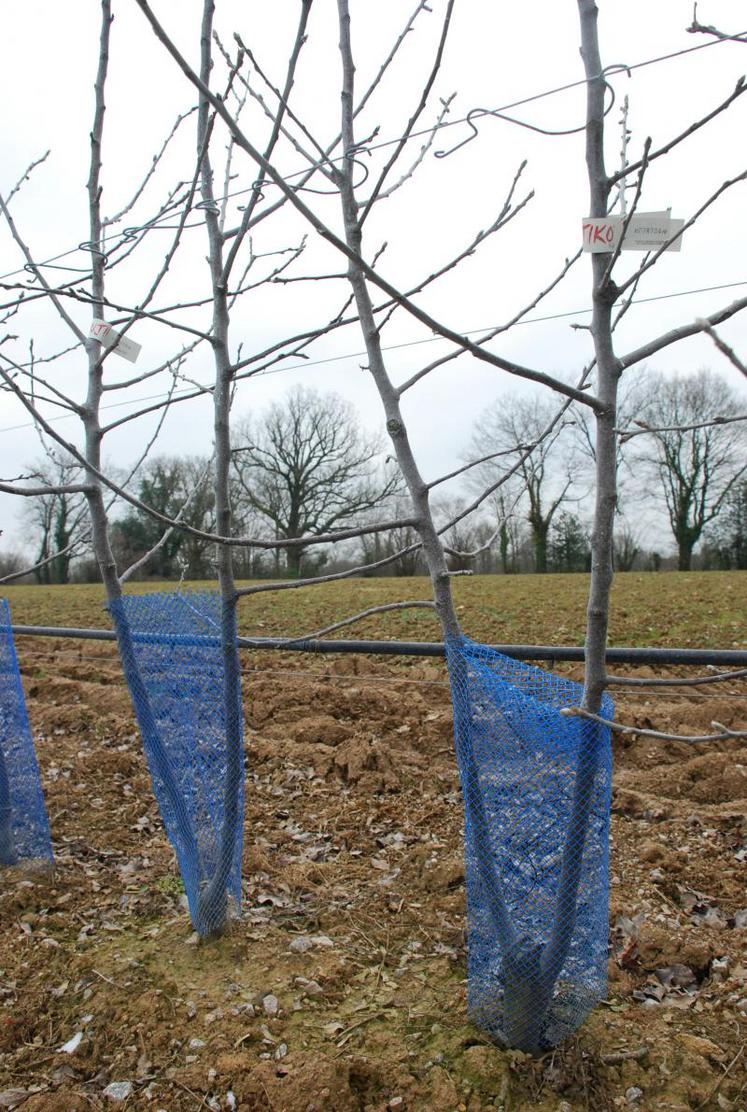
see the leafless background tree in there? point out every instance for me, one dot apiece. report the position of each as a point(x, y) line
point(546, 474)
point(306, 467)
point(694, 452)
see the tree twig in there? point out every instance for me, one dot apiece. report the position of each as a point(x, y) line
point(416, 604)
point(645, 351)
point(741, 87)
point(628, 434)
point(723, 347)
point(621, 728)
point(677, 681)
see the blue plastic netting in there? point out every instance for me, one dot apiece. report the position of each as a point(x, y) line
point(24, 829)
point(188, 706)
point(536, 788)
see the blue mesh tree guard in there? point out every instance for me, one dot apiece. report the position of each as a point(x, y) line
point(536, 790)
point(24, 829)
point(187, 697)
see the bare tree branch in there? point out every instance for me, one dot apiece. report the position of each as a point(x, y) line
point(482, 459)
point(681, 333)
point(629, 216)
point(35, 492)
point(386, 607)
point(274, 136)
point(677, 681)
point(723, 347)
point(26, 175)
point(740, 88)
point(620, 728)
point(68, 549)
point(38, 273)
point(419, 109)
point(628, 434)
point(699, 28)
point(352, 255)
point(157, 157)
point(407, 174)
point(494, 331)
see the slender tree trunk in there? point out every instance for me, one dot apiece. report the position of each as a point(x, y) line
point(395, 426)
point(547, 965)
point(96, 507)
point(92, 450)
point(608, 374)
point(213, 899)
point(7, 849)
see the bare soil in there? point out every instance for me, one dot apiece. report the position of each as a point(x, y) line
point(343, 985)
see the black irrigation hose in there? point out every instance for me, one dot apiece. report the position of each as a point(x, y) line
point(696, 657)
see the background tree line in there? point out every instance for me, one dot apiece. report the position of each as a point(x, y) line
point(306, 466)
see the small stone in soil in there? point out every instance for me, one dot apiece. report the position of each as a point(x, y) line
point(118, 1090)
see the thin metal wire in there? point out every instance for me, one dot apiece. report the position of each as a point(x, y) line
point(130, 233)
point(187, 390)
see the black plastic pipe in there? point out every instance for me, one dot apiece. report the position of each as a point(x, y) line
point(701, 657)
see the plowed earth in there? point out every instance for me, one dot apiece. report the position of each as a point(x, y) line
point(343, 984)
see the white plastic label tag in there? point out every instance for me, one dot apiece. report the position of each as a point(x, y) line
point(649, 230)
point(112, 341)
point(645, 232)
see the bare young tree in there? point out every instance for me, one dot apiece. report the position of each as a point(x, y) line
point(36, 390)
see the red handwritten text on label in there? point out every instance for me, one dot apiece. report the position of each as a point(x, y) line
point(599, 233)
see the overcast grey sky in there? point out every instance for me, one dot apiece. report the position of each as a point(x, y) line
point(497, 54)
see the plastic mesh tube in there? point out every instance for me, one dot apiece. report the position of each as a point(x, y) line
point(188, 707)
point(24, 828)
point(536, 789)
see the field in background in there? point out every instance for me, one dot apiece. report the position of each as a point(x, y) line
point(342, 988)
point(685, 609)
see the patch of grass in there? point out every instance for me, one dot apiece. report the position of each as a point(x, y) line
point(170, 885)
